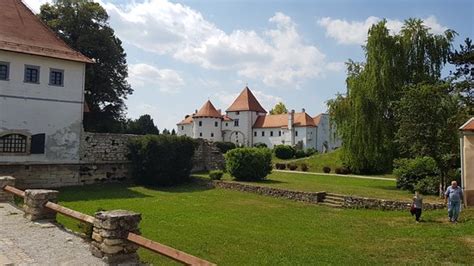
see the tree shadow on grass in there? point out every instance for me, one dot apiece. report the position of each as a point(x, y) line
point(99, 192)
point(265, 181)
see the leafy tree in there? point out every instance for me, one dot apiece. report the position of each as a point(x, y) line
point(173, 132)
point(463, 77)
point(142, 126)
point(166, 132)
point(279, 108)
point(427, 125)
point(84, 26)
point(365, 116)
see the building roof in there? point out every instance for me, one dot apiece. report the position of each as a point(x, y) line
point(246, 101)
point(226, 118)
point(208, 110)
point(186, 120)
point(281, 121)
point(468, 126)
point(22, 32)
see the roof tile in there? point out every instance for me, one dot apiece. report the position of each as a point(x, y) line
point(246, 101)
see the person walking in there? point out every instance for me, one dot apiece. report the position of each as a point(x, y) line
point(417, 206)
point(453, 197)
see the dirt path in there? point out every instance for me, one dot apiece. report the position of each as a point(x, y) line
point(354, 176)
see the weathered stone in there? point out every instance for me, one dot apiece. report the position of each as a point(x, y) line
point(113, 241)
point(6, 181)
point(34, 204)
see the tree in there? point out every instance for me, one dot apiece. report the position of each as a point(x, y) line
point(166, 132)
point(279, 108)
point(173, 132)
point(427, 125)
point(463, 77)
point(365, 116)
point(142, 126)
point(83, 25)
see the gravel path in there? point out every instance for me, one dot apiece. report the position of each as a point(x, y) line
point(353, 176)
point(29, 243)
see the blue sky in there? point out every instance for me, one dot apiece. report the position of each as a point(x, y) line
point(181, 53)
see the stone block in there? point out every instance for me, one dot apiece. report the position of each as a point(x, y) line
point(6, 181)
point(34, 204)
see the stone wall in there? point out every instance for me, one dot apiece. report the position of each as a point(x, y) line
point(104, 147)
point(386, 205)
point(60, 175)
point(207, 157)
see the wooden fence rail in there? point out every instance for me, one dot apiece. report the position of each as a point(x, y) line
point(141, 241)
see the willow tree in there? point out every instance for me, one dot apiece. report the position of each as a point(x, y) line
point(365, 116)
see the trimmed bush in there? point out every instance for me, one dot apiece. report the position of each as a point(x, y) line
point(225, 146)
point(310, 151)
point(280, 166)
point(342, 170)
point(162, 160)
point(249, 164)
point(292, 166)
point(260, 145)
point(284, 151)
point(304, 167)
point(326, 169)
point(428, 185)
point(300, 154)
point(411, 171)
point(216, 174)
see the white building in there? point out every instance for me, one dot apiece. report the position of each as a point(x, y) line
point(246, 123)
point(41, 90)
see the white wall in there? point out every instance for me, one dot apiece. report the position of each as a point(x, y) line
point(185, 130)
point(207, 128)
point(246, 121)
point(41, 108)
point(326, 133)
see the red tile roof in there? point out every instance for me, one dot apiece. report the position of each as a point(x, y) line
point(468, 126)
point(187, 120)
point(281, 121)
point(246, 101)
point(208, 110)
point(226, 118)
point(21, 31)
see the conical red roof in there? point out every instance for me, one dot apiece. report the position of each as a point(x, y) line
point(22, 32)
point(208, 110)
point(246, 101)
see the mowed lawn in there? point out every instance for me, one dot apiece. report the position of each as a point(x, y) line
point(383, 189)
point(237, 228)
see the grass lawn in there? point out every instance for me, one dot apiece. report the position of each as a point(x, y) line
point(383, 189)
point(237, 228)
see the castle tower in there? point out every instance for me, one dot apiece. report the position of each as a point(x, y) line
point(207, 123)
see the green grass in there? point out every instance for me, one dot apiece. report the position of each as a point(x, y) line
point(237, 228)
point(383, 189)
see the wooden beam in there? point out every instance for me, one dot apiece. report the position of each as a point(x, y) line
point(70, 213)
point(15, 191)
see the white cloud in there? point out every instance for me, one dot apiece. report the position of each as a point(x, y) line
point(143, 75)
point(355, 32)
point(278, 56)
point(336, 66)
point(266, 100)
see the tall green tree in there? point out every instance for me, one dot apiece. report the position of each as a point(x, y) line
point(83, 25)
point(142, 126)
point(463, 77)
point(279, 108)
point(365, 116)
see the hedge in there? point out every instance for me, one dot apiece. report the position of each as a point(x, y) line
point(249, 164)
point(284, 151)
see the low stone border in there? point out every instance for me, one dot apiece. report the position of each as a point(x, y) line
point(350, 202)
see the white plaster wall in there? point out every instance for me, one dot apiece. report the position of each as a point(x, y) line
point(185, 130)
point(246, 121)
point(327, 133)
point(41, 108)
point(207, 128)
point(268, 139)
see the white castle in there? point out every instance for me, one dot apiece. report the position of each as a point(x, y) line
point(246, 123)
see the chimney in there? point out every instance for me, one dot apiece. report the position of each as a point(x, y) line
point(196, 111)
point(291, 121)
point(303, 110)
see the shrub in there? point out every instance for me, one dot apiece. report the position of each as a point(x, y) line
point(260, 145)
point(326, 169)
point(216, 174)
point(280, 166)
point(410, 171)
point(225, 146)
point(310, 151)
point(292, 166)
point(429, 185)
point(249, 164)
point(300, 154)
point(284, 151)
point(342, 170)
point(304, 167)
point(161, 159)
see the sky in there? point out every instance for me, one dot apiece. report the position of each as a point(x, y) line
point(182, 53)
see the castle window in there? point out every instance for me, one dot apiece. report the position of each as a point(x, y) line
point(13, 143)
point(237, 113)
point(56, 77)
point(255, 133)
point(200, 123)
point(271, 133)
point(212, 135)
point(226, 124)
point(182, 127)
point(263, 133)
point(200, 134)
point(216, 124)
point(279, 133)
point(296, 133)
point(236, 122)
point(32, 74)
point(4, 70)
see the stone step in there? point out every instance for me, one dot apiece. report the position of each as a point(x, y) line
point(331, 205)
point(332, 201)
point(335, 195)
point(339, 199)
